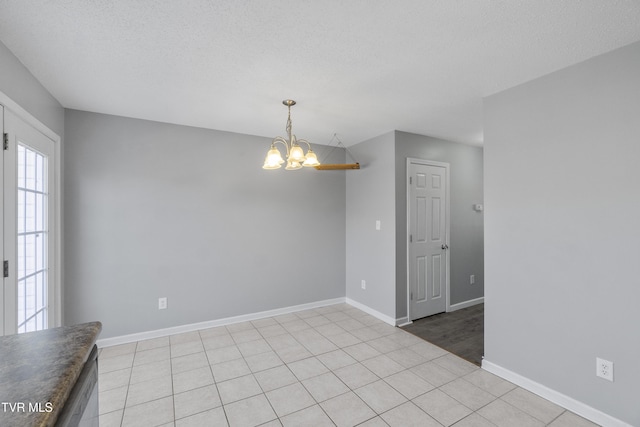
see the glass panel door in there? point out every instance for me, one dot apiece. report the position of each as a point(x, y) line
point(28, 229)
point(32, 236)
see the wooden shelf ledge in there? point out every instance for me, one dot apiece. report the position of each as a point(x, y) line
point(341, 166)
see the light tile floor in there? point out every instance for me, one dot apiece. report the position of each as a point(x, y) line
point(329, 366)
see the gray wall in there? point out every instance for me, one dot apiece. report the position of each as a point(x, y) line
point(159, 210)
point(467, 237)
point(562, 194)
point(22, 87)
point(371, 253)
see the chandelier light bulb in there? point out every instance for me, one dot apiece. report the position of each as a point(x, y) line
point(311, 159)
point(293, 165)
point(274, 155)
point(296, 153)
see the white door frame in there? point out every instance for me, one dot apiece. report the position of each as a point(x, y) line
point(28, 118)
point(446, 166)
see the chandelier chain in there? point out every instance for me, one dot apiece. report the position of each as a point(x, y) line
point(289, 124)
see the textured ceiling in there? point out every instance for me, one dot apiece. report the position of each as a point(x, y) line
point(358, 68)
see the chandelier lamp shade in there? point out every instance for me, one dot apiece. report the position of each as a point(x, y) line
point(296, 158)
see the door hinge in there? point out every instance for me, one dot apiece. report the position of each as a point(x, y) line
point(410, 180)
point(411, 296)
point(5, 268)
point(6, 141)
point(410, 238)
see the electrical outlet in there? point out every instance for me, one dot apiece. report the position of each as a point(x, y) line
point(378, 225)
point(363, 284)
point(604, 369)
point(472, 279)
point(162, 303)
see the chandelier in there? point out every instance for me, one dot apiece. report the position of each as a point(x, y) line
point(296, 158)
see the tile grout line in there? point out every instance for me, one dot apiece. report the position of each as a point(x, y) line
point(215, 383)
point(173, 393)
point(253, 374)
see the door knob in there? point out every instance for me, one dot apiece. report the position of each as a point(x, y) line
point(445, 246)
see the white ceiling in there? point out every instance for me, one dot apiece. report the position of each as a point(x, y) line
point(358, 68)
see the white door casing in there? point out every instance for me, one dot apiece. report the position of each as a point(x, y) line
point(2, 288)
point(427, 238)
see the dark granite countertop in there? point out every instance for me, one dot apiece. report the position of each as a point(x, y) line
point(38, 371)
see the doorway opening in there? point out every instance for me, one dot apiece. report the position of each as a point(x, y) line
point(460, 331)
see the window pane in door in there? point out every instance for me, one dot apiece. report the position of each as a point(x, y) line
point(32, 254)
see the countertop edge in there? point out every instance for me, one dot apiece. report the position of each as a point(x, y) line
point(39, 369)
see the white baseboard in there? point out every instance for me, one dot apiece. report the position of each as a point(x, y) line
point(556, 397)
point(403, 321)
point(386, 319)
point(124, 339)
point(466, 304)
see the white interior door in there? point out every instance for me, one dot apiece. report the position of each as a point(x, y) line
point(28, 228)
point(428, 237)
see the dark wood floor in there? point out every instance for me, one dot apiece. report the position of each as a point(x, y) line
point(461, 332)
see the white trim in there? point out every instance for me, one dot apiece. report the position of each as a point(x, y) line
point(446, 167)
point(124, 339)
point(554, 396)
point(403, 321)
point(386, 319)
point(28, 117)
point(465, 304)
point(31, 120)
